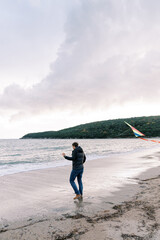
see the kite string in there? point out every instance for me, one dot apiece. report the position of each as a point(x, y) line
point(123, 132)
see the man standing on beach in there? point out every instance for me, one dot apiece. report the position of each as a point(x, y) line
point(78, 158)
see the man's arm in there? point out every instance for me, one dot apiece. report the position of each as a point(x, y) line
point(73, 158)
point(68, 158)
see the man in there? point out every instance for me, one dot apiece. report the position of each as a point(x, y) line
point(78, 158)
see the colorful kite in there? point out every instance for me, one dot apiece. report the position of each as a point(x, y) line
point(140, 135)
point(136, 132)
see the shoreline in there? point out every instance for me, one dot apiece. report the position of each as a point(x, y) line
point(59, 225)
point(18, 166)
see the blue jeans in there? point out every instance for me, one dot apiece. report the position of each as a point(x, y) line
point(78, 174)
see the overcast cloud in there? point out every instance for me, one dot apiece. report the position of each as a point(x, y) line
point(110, 55)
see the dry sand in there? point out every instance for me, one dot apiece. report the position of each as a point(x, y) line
point(31, 208)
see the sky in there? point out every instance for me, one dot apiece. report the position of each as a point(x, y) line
point(68, 62)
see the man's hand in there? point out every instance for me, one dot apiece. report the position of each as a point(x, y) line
point(63, 154)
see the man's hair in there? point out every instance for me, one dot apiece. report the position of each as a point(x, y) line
point(75, 144)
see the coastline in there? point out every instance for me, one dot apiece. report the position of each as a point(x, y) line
point(48, 217)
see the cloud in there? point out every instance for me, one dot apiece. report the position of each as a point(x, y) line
point(111, 55)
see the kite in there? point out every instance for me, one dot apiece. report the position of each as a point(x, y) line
point(138, 134)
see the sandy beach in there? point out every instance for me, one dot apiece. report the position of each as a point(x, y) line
point(37, 205)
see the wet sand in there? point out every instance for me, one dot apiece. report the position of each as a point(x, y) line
point(39, 205)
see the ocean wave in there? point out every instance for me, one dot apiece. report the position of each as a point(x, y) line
point(30, 154)
point(15, 162)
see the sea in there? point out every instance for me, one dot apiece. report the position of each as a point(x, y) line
point(19, 155)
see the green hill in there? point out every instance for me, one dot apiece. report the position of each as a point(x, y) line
point(150, 126)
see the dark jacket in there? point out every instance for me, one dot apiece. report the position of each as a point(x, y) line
point(78, 158)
